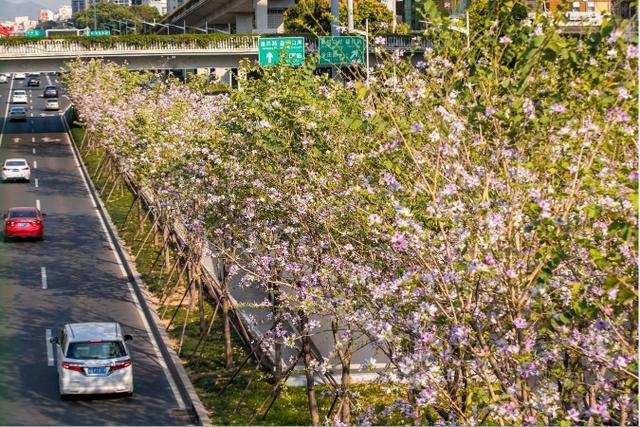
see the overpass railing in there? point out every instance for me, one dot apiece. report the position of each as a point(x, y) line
point(155, 45)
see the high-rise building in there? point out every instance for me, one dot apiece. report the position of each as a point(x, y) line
point(161, 5)
point(174, 4)
point(45, 15)
point(78, 5)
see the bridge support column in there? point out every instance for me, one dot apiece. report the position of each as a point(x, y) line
point(244, 23)
point(262, 23)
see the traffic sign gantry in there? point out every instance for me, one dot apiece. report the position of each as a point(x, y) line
point(35, 33)
point(99, 33)
point(273, 50)
point(338, 50)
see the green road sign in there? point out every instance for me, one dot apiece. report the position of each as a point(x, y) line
point(35, 33)
point(99, 33)
point(274, 50)
point(337, 50)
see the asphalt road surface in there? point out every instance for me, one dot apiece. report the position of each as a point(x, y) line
point(84, 283)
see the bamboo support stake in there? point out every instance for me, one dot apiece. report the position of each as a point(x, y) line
point(144, 242)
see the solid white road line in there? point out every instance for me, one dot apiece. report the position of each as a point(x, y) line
point(47, 336)
point(6, 111)
point(35, 164)
point(43, 273)
point(38, 204)
point(36, 182)
point(134, 296)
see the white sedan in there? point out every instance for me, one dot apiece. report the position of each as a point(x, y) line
point(92, 358)
point(19, 76)
point(19, 97)
point(3, 78)
point(17, 169)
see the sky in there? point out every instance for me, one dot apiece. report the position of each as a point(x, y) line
point(49, 4)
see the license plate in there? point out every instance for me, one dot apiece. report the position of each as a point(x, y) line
point(96, 371)
point(23, 224)
point(15, 170)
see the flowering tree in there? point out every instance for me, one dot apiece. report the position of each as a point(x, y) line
point(474, 217)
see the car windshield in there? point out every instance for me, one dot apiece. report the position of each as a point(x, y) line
point(17, 111)
point(96, 350)
point(15, 163)
point(51, 88)
point(22, 213)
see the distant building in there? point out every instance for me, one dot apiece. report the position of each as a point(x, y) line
point(599, 6)
point(64, 12)
point(45, 15)
point(174, 4)
point(161, 5)
point(78, 6)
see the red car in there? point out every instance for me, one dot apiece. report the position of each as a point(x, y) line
point(24, 223)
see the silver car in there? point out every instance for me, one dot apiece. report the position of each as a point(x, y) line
point(92, 358)
point(52, 104)
point(17, 113)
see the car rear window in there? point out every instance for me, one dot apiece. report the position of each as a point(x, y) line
point(52, 101)
point(96, 350)
point(26, 213)
point(15, 163)
point(19, 92)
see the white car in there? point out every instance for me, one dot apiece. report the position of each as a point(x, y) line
point(92, 358)
point(19, 76)
point(52, 104)
point(3, 78)
point(17, 113)
point(16, 169)
point(19, 97)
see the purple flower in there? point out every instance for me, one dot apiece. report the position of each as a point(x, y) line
point(632, 51)
point(511, 274)
point(558, 108)
point(505, 40)
point(573, 415)
point(399, 242)
point(375, 219)
point(489, 260)
point(520, 323)
point(379, 40)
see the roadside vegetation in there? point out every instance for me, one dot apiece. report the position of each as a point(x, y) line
point(472, 216)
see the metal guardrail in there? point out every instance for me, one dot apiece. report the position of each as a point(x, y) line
point(233, 44)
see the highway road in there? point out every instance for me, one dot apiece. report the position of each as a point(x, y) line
point(71, 276)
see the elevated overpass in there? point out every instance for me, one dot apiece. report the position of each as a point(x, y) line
point(221, 53)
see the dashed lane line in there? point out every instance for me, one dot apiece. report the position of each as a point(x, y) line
point(36, 182)
point(6, 112)
point(38, 204)
point(43, 274)
point(47, 337)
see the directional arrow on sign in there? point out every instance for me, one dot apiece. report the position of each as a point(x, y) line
point(354, 55)
point(269, 57)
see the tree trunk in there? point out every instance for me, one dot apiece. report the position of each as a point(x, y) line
point(277, 343)
point(306, 350)
point(226, 323)
point(345, 361)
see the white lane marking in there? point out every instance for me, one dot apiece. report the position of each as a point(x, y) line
point(43, 273)
point(34, 150)
point(47, 337)
point(35, 164)
point(38, 204)
point(16, 139)
point(6, 111)
point(36, 182)
point(134, 296)
point(33, 139)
